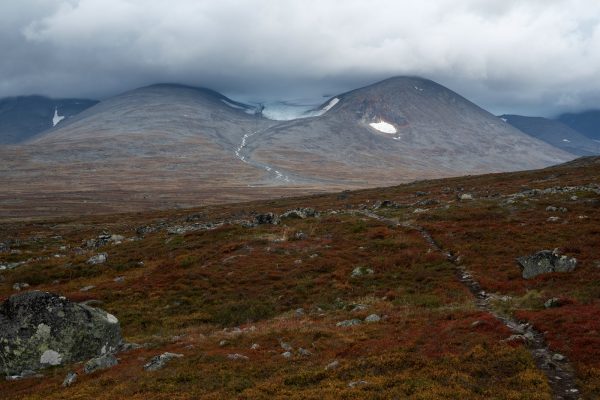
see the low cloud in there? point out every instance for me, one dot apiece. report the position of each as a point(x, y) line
point(536, 57)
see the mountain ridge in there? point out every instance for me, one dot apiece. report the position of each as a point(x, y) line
point(555, 133)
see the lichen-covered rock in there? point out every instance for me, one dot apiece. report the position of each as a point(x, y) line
point(546, 261)
point(41, 329)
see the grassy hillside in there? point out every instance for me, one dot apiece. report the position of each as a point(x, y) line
point(204, 284)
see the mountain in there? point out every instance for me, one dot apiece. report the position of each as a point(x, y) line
point(555, 133)
point(171, 145)
point(24, 117)
point(396, 130)
point(151, 147)
point(587, 122)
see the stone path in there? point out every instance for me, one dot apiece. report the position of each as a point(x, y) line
point(555, 366)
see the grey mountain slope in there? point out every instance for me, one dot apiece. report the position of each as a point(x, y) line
point(586, 122)
point(439, 133)
point(26, 116)
point(555, 133)
point(173, 111)
point(162, 140)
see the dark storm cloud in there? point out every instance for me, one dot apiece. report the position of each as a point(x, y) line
point(535, 56)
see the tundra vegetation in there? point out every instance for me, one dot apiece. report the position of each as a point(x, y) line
point(255, 309)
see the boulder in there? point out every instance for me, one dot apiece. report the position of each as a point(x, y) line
point(159, 362)
point(237, 357)
point(41, 329)
point(383, 204)
point(299, 213)
point(552, 303)
point(545, 261)
point(266, 219)
point(332, 365)
point(98, 259)
point(70, 379)
point(304, 352)
point(349, 322)
point(104, 361)
point(361, 271)
point(373, 318)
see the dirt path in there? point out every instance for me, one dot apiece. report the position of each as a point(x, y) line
point(556, 368)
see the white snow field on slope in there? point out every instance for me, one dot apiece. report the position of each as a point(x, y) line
point(384, 127)
point(57, 118)
point(244, 109)
point(331, 104)
point(298, 108)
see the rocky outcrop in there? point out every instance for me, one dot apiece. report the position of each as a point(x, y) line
point(266, 219)
point(41, 329)
point(103, 239)
point(544, 262)
point(299, 213)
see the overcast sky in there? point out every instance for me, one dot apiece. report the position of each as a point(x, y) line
point(523, 56)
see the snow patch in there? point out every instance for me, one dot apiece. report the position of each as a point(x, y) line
point(331, 104)
point(566, 140)
point(233, 105)
point(247, 110)
point(384, 127)
point(296, 108)
point(504, 119)
point(418, 88)
point(51, 357)
point(57, 118)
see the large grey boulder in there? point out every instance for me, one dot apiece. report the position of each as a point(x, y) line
point(40, 329)
point(546, 261)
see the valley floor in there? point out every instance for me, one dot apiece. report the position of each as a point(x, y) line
point(355, 303)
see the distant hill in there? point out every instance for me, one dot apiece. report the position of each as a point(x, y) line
point(587, 122)
point(555, 133)
point(24, 117)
